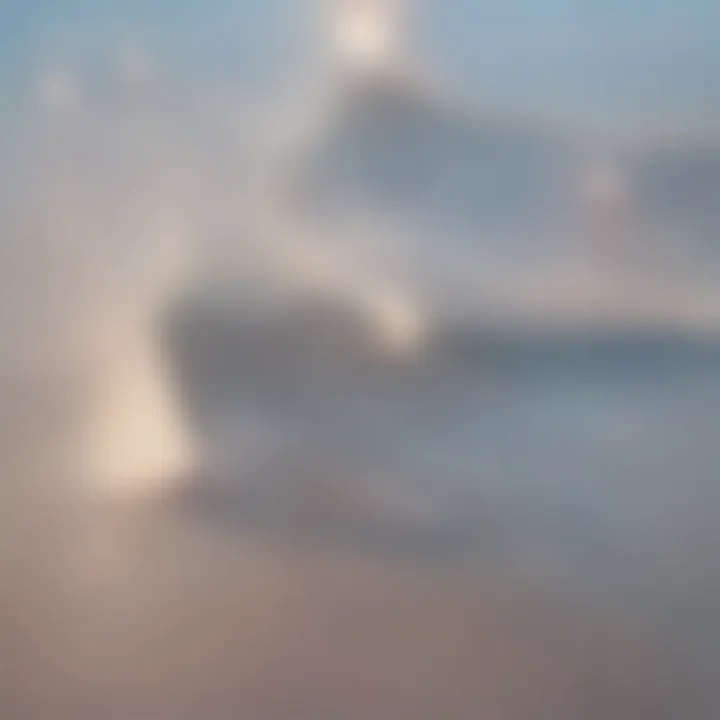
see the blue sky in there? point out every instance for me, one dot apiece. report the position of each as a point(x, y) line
point(605, 62)
point(628, 58)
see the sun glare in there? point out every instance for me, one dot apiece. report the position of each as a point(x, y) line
point(365, 33)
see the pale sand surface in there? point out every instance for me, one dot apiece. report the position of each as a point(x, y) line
point(120, 613)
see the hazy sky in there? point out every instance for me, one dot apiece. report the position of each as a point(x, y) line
point(612, 63)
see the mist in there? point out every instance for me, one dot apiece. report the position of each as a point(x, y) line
point(358, 359)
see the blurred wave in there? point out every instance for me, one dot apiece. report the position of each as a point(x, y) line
point(370, 199)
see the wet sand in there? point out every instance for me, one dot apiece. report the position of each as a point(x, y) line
point(149, 613)
point(598, 604)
